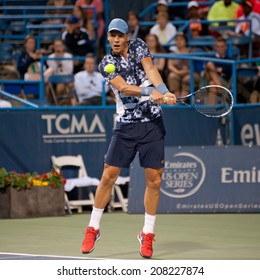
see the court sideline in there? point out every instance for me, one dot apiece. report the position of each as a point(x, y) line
point(178, 237)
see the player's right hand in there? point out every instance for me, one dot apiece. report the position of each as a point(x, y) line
point(169, 98)
point(157, 97)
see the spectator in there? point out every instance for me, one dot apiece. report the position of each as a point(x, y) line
point(155, 47)
point(99, 10)
point(85, 22)
point(256, 7)
point(255, 95)
point(58, 5)
point(179, 72)
point(196, 27)
point(218, 73)
point(59, 67)
point(203, 9)
point(28, 59)
point(223, 10)
point(164, 30)
point(248, 13)
point(135, 29)
point(162, 6)
point(77, 41)
point(89, 83)
point(243, 28)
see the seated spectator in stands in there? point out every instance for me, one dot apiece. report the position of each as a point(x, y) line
point(218, 73)
point(243, 28)
point(196, 27)
point(60, 66)
point(58, 4)
point(203, 9)
point(155, 47)
point(248, 13)
point(28, 59)
point(255, 94)
point(162, 6)
point(99, 13)
point(63, 67)
point(164, 30)
point(76, 39)
point(179, 69)
point(85, 22)
point(223, 10)
point(89, 83)
point(135, 29)
point(256, 7)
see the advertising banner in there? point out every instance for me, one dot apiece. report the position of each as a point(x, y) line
point(30, 137)
point(203, 179)
point(247, 125)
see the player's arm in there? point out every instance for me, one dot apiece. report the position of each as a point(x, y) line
point(131, 90)
point(155, 78)
point(151, 71)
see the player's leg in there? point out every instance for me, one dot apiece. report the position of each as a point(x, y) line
point(151, 154)
point(152, 192)
point(102, 196)
point(103, 193)
point(151, 202)
point(120, 153)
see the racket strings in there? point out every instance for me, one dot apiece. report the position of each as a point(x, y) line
point(212, 101)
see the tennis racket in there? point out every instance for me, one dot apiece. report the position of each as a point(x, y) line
point(212, 101)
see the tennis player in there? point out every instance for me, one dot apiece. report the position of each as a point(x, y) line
point(139, 91)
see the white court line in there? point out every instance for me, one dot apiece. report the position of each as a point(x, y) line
point(49, 256)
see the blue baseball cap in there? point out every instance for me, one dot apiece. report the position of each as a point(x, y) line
point(119, 25)
point(73, 19)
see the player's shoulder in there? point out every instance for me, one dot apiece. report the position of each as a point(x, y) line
point(136, 42)
point(109, 58)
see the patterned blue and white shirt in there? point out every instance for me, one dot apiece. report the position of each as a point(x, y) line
point(131, 109)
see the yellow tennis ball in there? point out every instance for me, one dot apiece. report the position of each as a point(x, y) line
point(110, 68)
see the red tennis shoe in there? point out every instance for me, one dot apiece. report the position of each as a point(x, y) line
point(146, 244)
point(91, 236)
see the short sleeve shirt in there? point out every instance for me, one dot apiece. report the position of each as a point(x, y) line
point(131, 109)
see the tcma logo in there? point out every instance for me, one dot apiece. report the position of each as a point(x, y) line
point(183, 175)
point(73, 128)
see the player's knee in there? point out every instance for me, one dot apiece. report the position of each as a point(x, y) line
point(110, 175)
point(154, 183)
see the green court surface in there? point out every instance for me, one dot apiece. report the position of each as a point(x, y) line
point(178, 236)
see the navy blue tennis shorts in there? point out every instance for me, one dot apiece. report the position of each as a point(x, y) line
point(147, 138)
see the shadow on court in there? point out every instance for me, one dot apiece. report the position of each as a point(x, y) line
point(178, 236)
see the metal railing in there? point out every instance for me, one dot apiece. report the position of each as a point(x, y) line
point(192, 58)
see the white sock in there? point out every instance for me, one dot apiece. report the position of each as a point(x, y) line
point(95, 218)
point(149, 223)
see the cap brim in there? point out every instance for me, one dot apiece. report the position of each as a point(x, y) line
point(116, 29)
